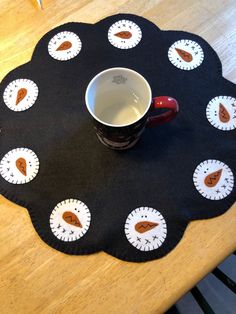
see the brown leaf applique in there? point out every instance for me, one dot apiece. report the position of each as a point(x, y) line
point(65, 46)
point(71, 219)
point(21, 165)
point(144, 226)
point(223, 114)
point(186, 56)
point(213, 178)
point(22, 92)
point(124, 34)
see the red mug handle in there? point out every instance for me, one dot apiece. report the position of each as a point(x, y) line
point(163, 102)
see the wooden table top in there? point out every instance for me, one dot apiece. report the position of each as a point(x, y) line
point(35, 278)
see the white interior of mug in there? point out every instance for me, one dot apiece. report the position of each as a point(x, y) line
point(118, 97)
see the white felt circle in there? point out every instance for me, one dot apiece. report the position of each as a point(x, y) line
point(70, 220)
point(145, 228)
point(64, 46)
point(221, 112)
point(20, 94)
point(213, 179)
point(124, 34)
point(186, 54)
point(19, 166)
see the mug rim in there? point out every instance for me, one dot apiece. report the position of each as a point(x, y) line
point(121, 69)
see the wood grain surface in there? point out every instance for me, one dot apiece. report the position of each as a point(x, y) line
point(34, 278)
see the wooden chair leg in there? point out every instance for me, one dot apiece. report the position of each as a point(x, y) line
point(201, 301)
point(229, 283)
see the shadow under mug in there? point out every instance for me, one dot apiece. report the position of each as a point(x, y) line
point(121, 104)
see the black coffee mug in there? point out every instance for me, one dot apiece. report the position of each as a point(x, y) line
point(120, 102)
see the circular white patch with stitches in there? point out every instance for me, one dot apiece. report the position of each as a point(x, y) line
point(213, 179)
point(19, 166)
point(145, 228)
point(70, 220)
point(186, 54)
point(124, 34)
point(20, 94)
point(64, 46)
point(221, 112)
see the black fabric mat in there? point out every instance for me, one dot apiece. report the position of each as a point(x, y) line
point(133, 204)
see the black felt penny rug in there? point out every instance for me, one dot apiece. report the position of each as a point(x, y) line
point(83, 197)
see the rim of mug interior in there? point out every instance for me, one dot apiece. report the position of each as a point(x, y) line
point(112, 69)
